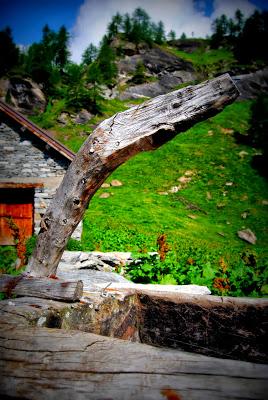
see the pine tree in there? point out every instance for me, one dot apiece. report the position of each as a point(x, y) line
point(90, 54)
point(106, 62)
point(8, 50)
point(114, 26)
point(62, 53)
point(172, 35)
point(159, 34)
point(127, 26)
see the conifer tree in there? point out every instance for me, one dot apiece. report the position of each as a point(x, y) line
point(62, 53)
point(106, 62)
point(8, 50)
point(90, 54)
point(172, 35)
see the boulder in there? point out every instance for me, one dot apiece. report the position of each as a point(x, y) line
point(252, 84)
point(23, 94)
point(82, 117)
point(63, 118)
point(247, 235)
point(157, 60)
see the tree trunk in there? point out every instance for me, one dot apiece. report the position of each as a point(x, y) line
point(115, 140)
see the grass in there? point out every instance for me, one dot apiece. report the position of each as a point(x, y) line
point(218, 194)
point(223, 186)
point(206, 62)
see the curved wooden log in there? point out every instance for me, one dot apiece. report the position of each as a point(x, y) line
point(115, 140)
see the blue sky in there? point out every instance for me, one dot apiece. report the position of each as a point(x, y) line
point(87, 20)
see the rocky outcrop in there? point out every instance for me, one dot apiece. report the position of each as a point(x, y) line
point(167, 82)
point(23, 94)
point(167, 70)
point(252, 84)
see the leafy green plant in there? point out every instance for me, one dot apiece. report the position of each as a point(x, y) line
point(30, 245)
point(74, 245)
point(8, 257)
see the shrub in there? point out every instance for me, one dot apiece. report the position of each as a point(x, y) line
point(8, 257)
point(74, 245)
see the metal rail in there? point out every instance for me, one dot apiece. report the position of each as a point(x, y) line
point(33, 128)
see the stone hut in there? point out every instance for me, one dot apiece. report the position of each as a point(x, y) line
point(32, 165)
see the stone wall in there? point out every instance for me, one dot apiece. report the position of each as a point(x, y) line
point(23, 155)
point(26, 159)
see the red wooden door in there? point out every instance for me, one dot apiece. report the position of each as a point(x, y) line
point(17, 205)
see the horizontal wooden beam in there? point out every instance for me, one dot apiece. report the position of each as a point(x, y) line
point(22, 185)
point(55, 289)
point(42, 363)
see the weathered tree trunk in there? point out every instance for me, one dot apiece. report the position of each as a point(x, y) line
point(115, 140)
point(44, 288)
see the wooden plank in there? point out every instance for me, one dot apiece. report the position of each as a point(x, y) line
point(46, 288)
point(225, 327)
point(41, 364)
point(115, 140)
point(20, 185)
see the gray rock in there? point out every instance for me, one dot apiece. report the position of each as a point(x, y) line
point(157, 60)
point(94, 263)
point(247, 235)
point(63, 118)
point(253, 84)
point(83, 117)
point(24, 94)
point(169, 69)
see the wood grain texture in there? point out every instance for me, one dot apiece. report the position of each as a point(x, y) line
point(48, 364)
point(115, 140)
point(46, 288)
point(224, 327)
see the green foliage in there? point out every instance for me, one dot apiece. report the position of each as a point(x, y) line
point(45, 61)
point(9, 52)
point(48, 118)
point(246, 37)
point(159, 33)
point(30, 245)
point(250, 45)
point(139, 73)
point(114, 26)
point(8, 257)
point(74, 245)
point(90, 54)
point(234, 275)
point(205, 214)
point(106, 62)
point(171, 35)
point(3, 296)
point(207, 63)
point(257, 133)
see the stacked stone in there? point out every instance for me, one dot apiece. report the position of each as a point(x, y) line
point(21, 157)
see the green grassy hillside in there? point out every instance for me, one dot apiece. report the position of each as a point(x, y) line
point(215, 193)
point(198, 191)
